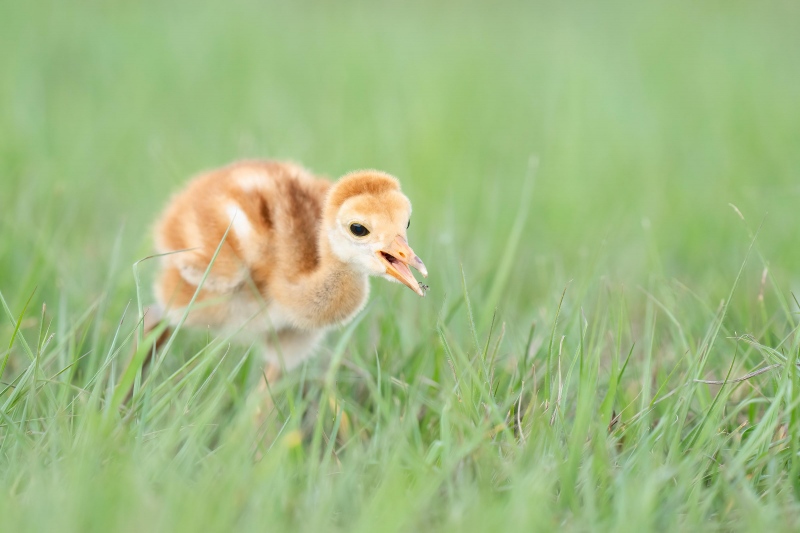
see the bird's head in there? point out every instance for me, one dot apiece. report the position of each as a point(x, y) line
point(366, 220)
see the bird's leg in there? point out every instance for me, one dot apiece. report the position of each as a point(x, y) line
point(271, 374)
point(264, 392)
point(266, 403)
point(286, 349)
point(269, 377)
point(151, 320)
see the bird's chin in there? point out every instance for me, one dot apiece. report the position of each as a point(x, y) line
point(378, 270)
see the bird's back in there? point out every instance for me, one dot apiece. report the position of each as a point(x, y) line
point(273, 210)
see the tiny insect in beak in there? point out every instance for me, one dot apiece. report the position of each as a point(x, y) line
point(423, 287)
point(397, 257)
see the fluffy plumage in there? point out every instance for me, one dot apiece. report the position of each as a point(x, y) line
point(291, 266)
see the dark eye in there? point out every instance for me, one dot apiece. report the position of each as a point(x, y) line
point(409, 224)
point(358, 230)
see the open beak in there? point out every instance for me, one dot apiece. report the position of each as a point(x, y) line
point(397, 257)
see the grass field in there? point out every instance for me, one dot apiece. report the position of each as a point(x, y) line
point(606, 195)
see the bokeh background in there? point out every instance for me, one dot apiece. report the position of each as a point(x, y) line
point(592, 146)
point(647, 120)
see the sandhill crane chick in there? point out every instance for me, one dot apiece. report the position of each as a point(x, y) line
point(297, 257)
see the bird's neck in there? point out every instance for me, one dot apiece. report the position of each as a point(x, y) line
point(329, 295)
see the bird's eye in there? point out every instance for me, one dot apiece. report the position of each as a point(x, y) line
point(409, 224)
point(358, 230)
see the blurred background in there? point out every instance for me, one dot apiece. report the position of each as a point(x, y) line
point(592, 146)
point(646, 119)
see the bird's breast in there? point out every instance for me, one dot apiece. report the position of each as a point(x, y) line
point(252, 315)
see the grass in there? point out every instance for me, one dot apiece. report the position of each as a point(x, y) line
point(606, 197)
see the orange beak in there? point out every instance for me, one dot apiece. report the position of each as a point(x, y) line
point(397, 257)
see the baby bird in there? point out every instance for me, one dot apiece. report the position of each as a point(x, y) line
point(297, 256)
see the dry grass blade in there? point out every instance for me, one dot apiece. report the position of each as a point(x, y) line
point(740, 379)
